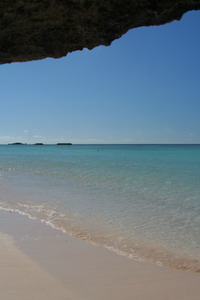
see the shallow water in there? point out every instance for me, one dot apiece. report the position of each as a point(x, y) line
point(142, 201)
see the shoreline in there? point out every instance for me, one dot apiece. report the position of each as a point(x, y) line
point(140, 253)
point(80, 270)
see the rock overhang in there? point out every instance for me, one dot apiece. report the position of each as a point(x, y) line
point(36, 29)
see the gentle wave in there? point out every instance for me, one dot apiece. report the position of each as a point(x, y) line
point(61, 222)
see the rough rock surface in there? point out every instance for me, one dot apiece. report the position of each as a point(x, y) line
point(35, 29)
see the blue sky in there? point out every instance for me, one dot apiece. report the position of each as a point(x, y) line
point(144, 88)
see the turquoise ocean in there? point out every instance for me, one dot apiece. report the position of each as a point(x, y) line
point(141, 201)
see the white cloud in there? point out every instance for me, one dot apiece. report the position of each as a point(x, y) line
point(7, 137)
point(37, 136)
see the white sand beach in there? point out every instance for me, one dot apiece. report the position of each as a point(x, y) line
point(39, 262)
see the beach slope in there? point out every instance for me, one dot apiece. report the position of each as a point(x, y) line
point(39, 262)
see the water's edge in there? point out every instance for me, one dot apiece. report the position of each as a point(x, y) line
point(139, 253)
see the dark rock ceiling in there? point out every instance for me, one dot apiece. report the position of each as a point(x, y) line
point(36, 29)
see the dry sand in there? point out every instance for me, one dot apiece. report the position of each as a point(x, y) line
point(21, 278)
point(38, 262)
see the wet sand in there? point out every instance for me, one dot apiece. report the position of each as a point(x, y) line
point(39, 262)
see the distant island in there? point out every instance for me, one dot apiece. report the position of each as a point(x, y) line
point(41, 144)
point(17, 143)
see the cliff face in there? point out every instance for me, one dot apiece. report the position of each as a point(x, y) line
point(35, 29)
